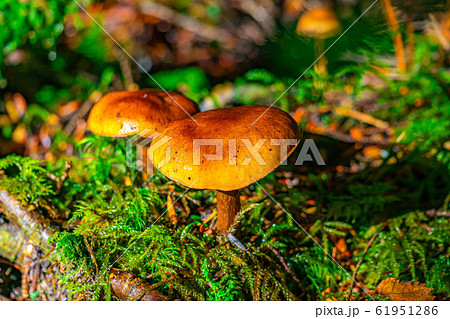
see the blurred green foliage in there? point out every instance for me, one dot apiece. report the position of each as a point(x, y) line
point(38, 23)
point(192, 81)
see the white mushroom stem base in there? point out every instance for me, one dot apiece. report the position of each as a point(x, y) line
point(228, 204)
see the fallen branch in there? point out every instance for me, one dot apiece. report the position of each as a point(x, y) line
point(33, 224)
point(186, 22)
point(37, 229)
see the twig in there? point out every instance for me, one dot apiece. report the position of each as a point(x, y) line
point(124, 66)
point(37, 273)
point(9, 263)
point(91, 253)
point(355, 272)
point(193, 25)
point(363, 117)
point(234, 228)
point(263, 15)
point(283, 262)
point(437, 31)
point(439, 213)
point(82, 112)
point(48, 253)
point(320, 129)
point(25, 278)
point(60, 180)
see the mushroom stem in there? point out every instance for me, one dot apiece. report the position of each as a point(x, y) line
point(228, 204)
point(321, 65)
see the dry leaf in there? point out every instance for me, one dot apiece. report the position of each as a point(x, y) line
point(12, 111)
point(294, 7)
point(20, 134)
point(341, 245)
point(171, 210)
point(20, 103)
point(356, 133)
point(186, 210)
point(372, 151)
point(69, 108)
point(404, 291)
point(128, 181)
point(128, 287)
point(299, 114)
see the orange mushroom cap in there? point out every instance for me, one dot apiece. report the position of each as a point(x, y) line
point(320, 23)
point(230, 126)
point(126, 113)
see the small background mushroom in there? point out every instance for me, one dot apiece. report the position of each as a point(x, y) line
point(319, 23)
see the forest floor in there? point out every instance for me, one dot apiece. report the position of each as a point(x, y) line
point(78, 223)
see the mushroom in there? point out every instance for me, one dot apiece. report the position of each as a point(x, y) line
point(126, 113)
point(235, 152)
point(319, 23)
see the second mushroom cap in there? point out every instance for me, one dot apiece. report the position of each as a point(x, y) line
point(126, 113)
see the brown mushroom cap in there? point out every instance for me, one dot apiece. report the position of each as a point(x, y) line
point(225, 124)
point(126, 113)
point(319, 23)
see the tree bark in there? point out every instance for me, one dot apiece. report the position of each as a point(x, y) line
point(228, 204)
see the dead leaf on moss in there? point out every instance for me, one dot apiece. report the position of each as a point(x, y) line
point(171, 210)
point(404, 291)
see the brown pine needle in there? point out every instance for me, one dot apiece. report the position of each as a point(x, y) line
point(363, 117)
point(355, 272)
